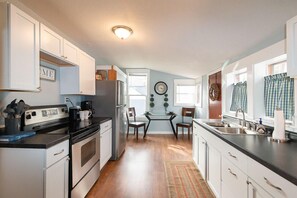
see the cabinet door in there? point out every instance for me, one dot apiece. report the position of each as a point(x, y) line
point(105, 147)
point(292, 46)
point(233, 181)
point(56, 179)
point(24, 51)
point(255, 191)
point(70, 52)
point(51, 42)
point(86, 74)
point(195, 148)
point(214, 169)
point(202, 157)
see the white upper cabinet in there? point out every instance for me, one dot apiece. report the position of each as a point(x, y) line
point(56, 49)
point(79, 79)
point(292, 46)
point(19, 51)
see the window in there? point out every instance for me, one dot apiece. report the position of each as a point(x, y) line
point(239, 97)
point(279, 92)
point(138, 81)
point(185, 92)
point(277, 68)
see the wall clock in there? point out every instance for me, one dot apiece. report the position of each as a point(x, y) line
point(161, 88)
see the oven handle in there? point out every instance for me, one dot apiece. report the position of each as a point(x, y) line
point(75, 140)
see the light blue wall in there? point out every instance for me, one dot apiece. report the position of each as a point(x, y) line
point(49, 94)
point(162, 126)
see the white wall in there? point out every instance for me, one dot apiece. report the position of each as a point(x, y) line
point(254, 89)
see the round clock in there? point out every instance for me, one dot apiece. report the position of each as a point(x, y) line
point(161, 88)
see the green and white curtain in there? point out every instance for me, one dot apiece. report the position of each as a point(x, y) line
point(279, 92)
point(239, 97)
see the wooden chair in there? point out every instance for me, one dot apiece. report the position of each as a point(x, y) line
point(186, 112)
point(131, 113)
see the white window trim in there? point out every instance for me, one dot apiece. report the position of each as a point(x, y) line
point(199, 86)
point(147, 73)
point(183, 82)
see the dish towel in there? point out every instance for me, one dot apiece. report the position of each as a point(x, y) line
point(279, 125)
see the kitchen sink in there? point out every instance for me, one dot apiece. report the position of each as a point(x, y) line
point(235, 131)
point(217, 124)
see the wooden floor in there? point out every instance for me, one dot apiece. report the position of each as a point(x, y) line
point(140, 171)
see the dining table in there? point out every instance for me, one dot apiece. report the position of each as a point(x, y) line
point(167, 116)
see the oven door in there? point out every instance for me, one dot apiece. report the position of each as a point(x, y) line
point(85, 154)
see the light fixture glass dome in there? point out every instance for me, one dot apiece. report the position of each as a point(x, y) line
point(121, 31)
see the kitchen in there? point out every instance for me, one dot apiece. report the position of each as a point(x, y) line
point(266, 49)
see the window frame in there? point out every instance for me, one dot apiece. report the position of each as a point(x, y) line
point(185, 82)
point(139, 72)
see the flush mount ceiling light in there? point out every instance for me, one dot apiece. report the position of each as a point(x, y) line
point(122, 31)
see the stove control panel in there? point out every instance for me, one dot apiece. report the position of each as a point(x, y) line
point(38, 114)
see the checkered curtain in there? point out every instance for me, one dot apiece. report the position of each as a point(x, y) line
point(279, 92)
point(239, 97)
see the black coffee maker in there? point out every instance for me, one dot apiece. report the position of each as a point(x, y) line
point(87, 105)
point(74, 113)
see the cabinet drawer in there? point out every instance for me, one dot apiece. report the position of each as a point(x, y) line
point(57, 152)
point(105, 126)
point(235, 156)
point(233, 180)
point(270, 181)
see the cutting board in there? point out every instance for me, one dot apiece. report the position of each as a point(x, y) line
point(112, 74)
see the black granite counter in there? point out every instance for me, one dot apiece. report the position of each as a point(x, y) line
point(278, 157)
point(45, 140)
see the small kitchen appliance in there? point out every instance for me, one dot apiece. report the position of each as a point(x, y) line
point(74, 113)
point(87, 105)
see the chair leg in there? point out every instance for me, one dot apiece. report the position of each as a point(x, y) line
point(183, 130)
point(189, 132)
point(134, 130)
point(176, 132)
point(127, 132)
point(144, 132)
point(136, 133)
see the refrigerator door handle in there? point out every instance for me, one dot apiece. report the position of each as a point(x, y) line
point(119, 106)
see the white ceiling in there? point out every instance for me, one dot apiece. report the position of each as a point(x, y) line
point(182, 37)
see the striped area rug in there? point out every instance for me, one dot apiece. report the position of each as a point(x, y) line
point(184, 180)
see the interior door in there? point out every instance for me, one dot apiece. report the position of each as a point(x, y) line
point(215, 107)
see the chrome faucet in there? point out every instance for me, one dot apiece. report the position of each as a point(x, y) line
point(243, 116)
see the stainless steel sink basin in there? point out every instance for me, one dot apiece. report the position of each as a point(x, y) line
point(230, 130)
point(216, 124)
point(235, 131)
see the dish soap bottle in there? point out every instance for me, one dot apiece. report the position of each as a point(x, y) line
point(260, 128)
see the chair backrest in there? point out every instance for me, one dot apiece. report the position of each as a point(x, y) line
point(131, 113)
point(188, 112)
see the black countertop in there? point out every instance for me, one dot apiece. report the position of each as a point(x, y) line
point(278, 157)
point(44, 140)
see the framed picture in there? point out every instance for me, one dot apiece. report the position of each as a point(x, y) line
point(101, 75)
point(47, 73)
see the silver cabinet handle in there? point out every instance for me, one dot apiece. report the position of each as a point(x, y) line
point(270, 184)
point(59, 152)
point(230, 171)
point(230, 154)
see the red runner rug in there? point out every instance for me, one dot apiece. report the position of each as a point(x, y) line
point(184, 180)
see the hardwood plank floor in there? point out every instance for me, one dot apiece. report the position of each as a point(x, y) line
point(140, 171)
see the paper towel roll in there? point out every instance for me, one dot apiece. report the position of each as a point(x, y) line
point(279, 125)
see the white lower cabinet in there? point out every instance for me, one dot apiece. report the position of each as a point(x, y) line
point(214, 169)
point(202, 156)
point(234, 182)
point(232, 174)
point(256, 191)
point(195, 145)
point(35, 173)
point(105, 142)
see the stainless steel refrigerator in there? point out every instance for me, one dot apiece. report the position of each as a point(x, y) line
point(110, 101)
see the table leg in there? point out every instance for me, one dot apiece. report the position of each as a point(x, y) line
point(173, 128)
point(146, 128)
